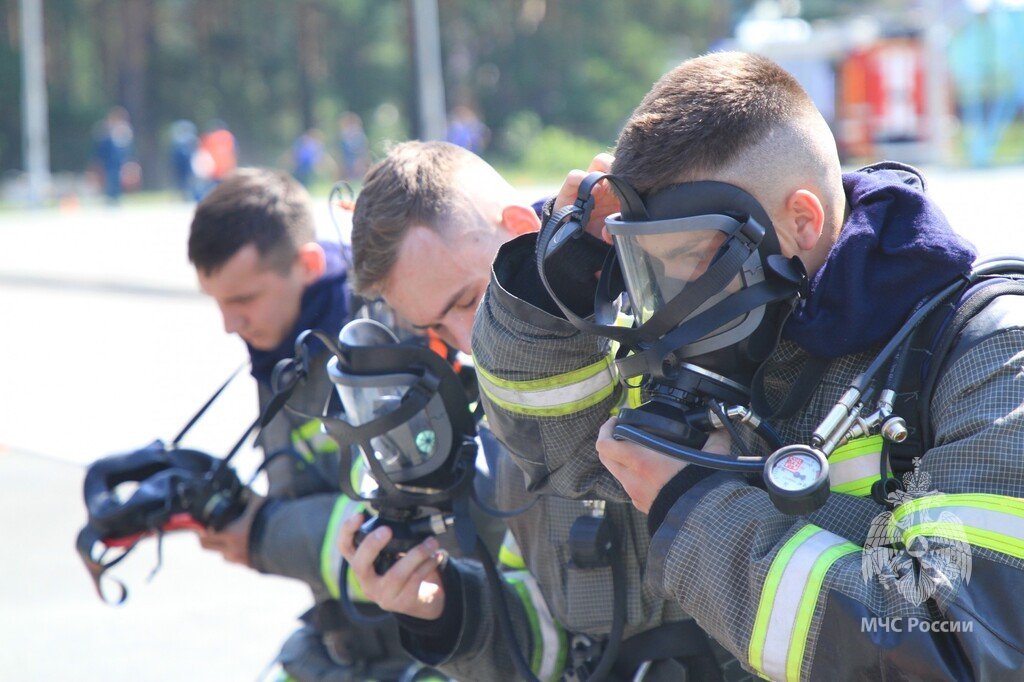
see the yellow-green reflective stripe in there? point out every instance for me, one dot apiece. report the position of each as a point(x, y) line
point(859, 488)
point(789, 598)
point(550, 396)
point(549, 642)
point(531, 617)
point(553, 411)
point(768, 592)
point(633, 396)
point(309, 440)
point(995, 541)
point(509, 554)
point(999, 503)
point(856, 448)
point(330, 554)
point(809, 603)
point(302, 447)
point(995, 522)
point(307, 430)
point(357, 475)
point(324, 444)
point(854, 467)
point(544, 383)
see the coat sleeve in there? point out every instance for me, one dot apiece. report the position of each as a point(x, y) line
point(545, 386)
point(856, 592)
point(298, 539)
point(303, 459)
point(479, 651)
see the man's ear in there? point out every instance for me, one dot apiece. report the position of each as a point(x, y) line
point(519, 220)
point(313, 262)
point(806, 216)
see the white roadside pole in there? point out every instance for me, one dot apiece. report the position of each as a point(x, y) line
point(34, 116)
point(426, 32)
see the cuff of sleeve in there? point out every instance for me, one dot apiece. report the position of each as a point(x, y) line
point(257, 531)
point(573, 278)
point(674, 520)
point(686, 479)
point(434, 641)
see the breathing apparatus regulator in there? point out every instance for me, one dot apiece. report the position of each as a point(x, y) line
point(709, 291)
point(160, 488)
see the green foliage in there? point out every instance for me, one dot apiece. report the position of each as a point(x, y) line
point(554, 151)
point(542, 154)
point(562, 74)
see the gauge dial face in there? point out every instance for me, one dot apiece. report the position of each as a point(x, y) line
point(795, 472)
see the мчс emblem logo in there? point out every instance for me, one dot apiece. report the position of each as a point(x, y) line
point(917, 548)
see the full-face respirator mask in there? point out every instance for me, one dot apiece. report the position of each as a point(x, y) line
point(406, 419)
point(709, 291)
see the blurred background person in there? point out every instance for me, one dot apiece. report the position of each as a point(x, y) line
point(113, 149)
point(309, 157)
point(354, 147)
point(215, 157)
point(467, 130)
point(184, 142)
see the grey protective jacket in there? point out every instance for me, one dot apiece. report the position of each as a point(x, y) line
point(305, 496)
point(836, 595)
point(293, 536)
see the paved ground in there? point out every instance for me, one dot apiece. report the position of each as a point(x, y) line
point(105, 346)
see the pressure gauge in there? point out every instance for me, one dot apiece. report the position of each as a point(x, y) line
point(797, 479)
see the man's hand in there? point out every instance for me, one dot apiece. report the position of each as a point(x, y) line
point(605, 200)
point(642, 471)
point(233, 541)
point(411, 586)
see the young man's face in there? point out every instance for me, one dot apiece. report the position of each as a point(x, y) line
point(258, 303)
point(438, 285)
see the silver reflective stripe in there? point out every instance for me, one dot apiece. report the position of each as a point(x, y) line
point(549, 632)
point(987, 520)
point(786, 606)
point(554, 397)
point(853, 469)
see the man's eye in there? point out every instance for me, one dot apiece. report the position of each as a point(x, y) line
point(471, 303)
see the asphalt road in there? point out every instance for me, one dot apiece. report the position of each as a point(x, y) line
point(106, 345)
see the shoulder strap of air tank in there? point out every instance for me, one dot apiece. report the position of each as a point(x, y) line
point(929, 351)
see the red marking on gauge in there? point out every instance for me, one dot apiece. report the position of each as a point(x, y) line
point(794, 463)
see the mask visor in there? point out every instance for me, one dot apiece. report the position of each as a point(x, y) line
point(410, 450)
point(661, 258)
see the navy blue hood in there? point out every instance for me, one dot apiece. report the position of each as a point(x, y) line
point(896, 247)
point(324, 306)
